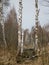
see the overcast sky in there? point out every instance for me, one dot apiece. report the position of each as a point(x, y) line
point(28, 19)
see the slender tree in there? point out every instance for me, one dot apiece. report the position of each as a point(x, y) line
point(4, 2)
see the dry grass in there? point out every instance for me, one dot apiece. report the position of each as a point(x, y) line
point(9, 58)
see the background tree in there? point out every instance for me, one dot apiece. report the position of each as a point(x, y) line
point(11, 30)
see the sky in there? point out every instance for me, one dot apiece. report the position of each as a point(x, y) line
point(28, 14)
